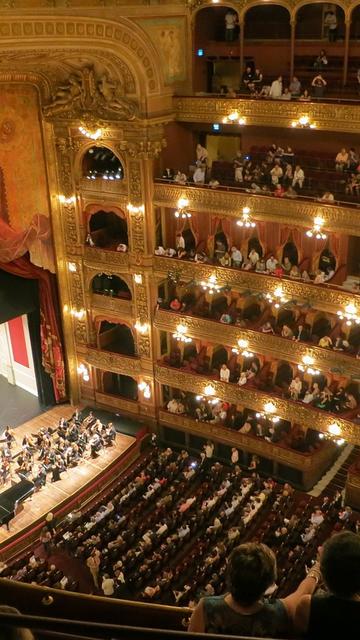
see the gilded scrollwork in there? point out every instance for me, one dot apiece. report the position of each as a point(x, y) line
point(142, 149)
point(332, 117)
point(292, 212)
point(100, 259)
point(321, 297)
point(114, 362)
point(266, 344)
point(295, 412)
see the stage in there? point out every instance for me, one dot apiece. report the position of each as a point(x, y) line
point(54, 496)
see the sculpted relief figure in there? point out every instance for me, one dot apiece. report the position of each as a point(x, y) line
point(84, 93)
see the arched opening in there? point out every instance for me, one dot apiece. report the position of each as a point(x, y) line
point(106, 284)
point(354, 336)
point(251, 363)
point(101, 162)
point(355, 24)
point(312, 22)
point(217, 51)
point(264, 23)
point(189, 238)
point(189, 352)
point(284, 375)
point(255, 244)
point(290, 251)
point(108, 230)
point(321, 327)
point(252, 312)
point(285, 316)
point(327, 261)
point(219, 357)
point(117, 384)
point(117, 338)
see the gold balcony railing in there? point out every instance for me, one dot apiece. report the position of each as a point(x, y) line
point(297, 212)
point(252, 398)
point(327, 116)
point(324, 297)
point(104, 259)
point(266, 344)
point(118, 306)
point(115, 362)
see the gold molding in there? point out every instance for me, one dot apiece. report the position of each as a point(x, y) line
point(322, 297)
point(265, 208)
point(108, 304)
point(117, 402)
point(110, 361)
point(330, 117)
point(296, 412)
point(266, 344)
point(290, 457)
point(103, 259)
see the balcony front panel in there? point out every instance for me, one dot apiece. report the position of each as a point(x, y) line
point(252, 444)
point(113, 305)
point(322, 297)
point(268, 113)
point(266, 344)
point(115, 362)
point(116, 402)
point(106, 260)
point(295, 412)
point(265, 208)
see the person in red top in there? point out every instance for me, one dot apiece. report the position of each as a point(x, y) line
point(279, 271)
point(175, 304)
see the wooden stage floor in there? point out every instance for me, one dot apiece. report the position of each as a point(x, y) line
point(71, 481)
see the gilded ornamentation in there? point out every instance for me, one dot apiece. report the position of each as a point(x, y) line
point(254, 399)
point(266, 344)
point(142, 314)
point(321, 297)
point(292, 212)
point(86, 95)
point(332, 117)
point(116, 402)
point(115, 362)
point(123, 308)
point(143, 149)
point(102, 259)
point(81, 335)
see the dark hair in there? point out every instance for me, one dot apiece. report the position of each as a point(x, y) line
point(251, 570)
point(340, 564)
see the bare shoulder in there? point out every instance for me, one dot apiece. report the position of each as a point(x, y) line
point(197, 623)
point(302, 613)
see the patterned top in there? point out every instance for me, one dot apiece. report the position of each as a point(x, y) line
point(270, 621)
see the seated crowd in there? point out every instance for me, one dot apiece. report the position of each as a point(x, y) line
point(165, 531)
point(279, 171)
point(52, 451)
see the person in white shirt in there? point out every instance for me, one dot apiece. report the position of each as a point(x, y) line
point(201, 154)
point(172, 405)
point(299, 177)
point(271, 264)
point(231, 21)
point(317, 517)
point(330, 24)
point(180, 177)
point(179, 241)
point(342, 160)
point(199, 174)
point(276, 173)
point(236, 257)
point(276, 88)
point(160, 251)
point(295, 388)
point(224, 373)
point(327, 197)
point(183, 531)
point(162, 529)
point(254, 257)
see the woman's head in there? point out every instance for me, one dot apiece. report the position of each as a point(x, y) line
point(340, 564)
point(251, 571)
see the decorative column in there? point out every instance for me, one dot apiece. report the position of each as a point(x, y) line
point(292, 46)
point(346, 50)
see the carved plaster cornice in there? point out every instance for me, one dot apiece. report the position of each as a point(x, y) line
point(322, 297)
point(102, 259)
point(265, 208)
point(265, 344)
point(214, 432)
point(330, 117)
point(295, 412)
point(109, 361)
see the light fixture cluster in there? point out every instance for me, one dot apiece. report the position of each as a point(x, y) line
point(180, 334)
point(93, 135)
point(72, 267)
point(268, 413)
point(107, 175)
point(316, 231)
point(145, 389)
point(181, 211)
point(307, 367)
point(211, 401)
point(209, 393)
point(210, 285)
point(132, 209)
point(333, 433)
point(242, 350)
point(245, 220)
point(303, 122)
point(66, 200)
point(141, 327)
point(349, 314)
point(234, 118)
point(77, 313)
point(277, 298)
point(83, 372)
point(138, 278)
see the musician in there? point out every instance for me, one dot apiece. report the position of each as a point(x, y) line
point(9, 436)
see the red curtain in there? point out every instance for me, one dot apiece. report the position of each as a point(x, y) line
point(51, 345)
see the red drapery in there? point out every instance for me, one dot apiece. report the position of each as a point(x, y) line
point(51, 346)
point(36, 240)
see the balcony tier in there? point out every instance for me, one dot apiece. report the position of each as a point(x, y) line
point(297, 212)
point(113, 305)
point(115, 362)
point(321, 296)
point(268, 113)
point(266, 344)
point(295, 412)
point(103, 259)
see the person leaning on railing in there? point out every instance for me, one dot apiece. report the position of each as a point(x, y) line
point(244, 610)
